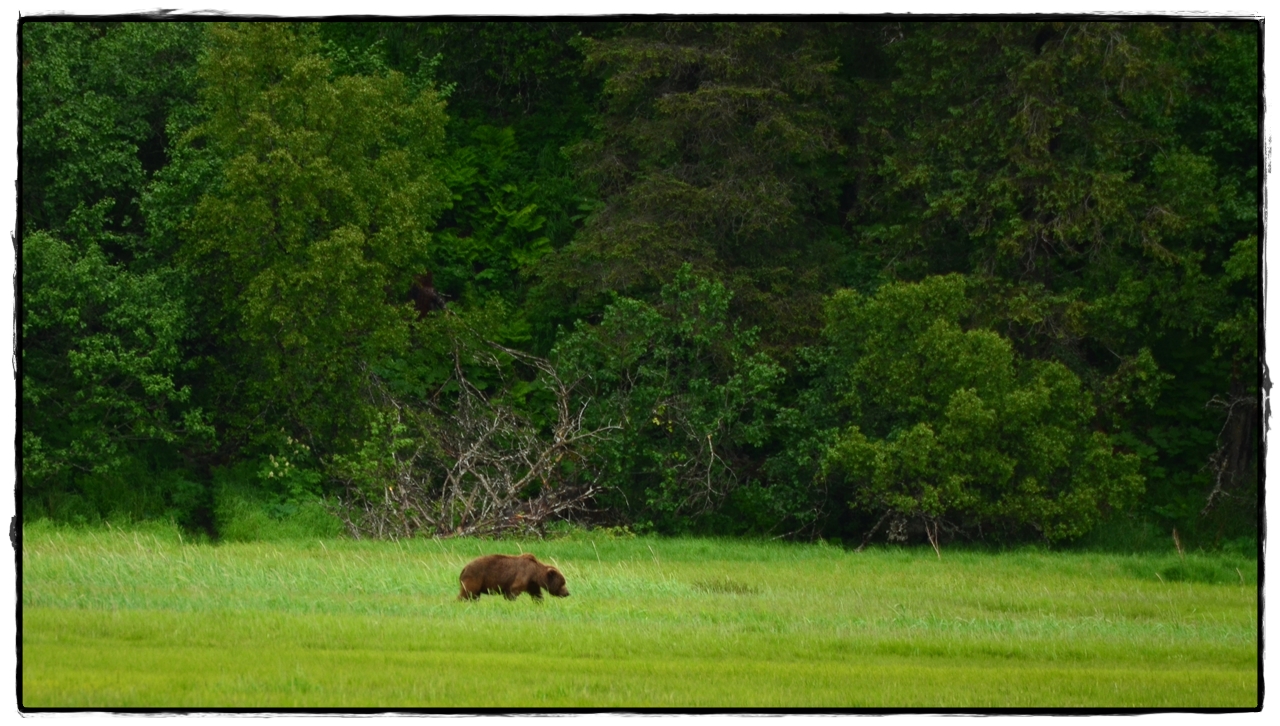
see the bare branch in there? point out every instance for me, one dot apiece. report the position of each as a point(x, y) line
point(470, 466)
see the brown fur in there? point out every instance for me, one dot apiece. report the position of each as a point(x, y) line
point(510, 576)
point(424, 295)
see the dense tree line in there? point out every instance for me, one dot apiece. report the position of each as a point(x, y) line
point(905, 280)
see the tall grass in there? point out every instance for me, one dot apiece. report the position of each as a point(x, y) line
point(142, 618)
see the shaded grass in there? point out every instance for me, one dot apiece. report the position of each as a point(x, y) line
point(144, 619)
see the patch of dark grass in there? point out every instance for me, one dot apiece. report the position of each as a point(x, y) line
point(726, 586)
point(1209, 573)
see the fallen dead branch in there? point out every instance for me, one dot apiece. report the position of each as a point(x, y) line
point(468, 463)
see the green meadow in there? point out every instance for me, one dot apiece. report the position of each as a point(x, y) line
point(142, 618)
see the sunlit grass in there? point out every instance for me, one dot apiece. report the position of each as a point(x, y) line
point(141, 618)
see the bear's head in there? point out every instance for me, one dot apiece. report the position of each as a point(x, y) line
point(556, 583)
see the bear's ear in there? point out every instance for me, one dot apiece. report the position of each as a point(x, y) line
point(554, 578)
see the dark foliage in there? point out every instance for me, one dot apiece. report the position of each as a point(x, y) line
point(900, 279)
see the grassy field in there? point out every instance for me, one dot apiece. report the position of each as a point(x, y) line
point(142, 619)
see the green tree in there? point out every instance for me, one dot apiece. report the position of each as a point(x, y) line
point(952, 427)
point(691, 397)
point(309, 238)
point(514, 198)
point(1095, 179)
point(716, 146)
point(496, 229)
point(108, 410)
point(96, 101)
point(101, 352)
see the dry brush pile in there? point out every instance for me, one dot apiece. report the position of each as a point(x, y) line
point(467, 462)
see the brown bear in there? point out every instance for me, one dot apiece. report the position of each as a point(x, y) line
point(510, 575)
point(424, 296)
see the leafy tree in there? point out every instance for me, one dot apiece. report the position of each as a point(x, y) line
point(320, 217)
point(691, 398)
point(951, 427)
point(101, 349)
point(108, 410)
point(96, 99)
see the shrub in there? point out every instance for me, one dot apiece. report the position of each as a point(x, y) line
point(950, 426)
point(690, 399)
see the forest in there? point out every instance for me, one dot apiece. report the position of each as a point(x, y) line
point(865, 282)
